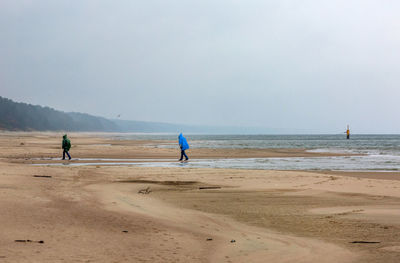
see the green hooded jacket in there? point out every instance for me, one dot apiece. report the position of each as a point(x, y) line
point(66, 143)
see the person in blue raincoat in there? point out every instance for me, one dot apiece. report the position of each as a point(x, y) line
point(183, 144)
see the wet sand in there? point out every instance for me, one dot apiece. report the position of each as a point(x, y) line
point(86, 145)
point(96, 213)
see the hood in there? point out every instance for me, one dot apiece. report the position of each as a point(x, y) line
point(64, 136)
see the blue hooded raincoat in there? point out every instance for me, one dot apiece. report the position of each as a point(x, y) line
point(183, 142)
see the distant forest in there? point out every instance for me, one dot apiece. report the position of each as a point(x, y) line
point(26, 117)
point(16, 116)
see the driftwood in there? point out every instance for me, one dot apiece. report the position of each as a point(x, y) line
point(365, 242)
point(29, 241)
point(45, 176)
point(209, 187)
point(145, 191)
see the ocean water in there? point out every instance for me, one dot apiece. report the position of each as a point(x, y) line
point(377, 144)
point(380, 152)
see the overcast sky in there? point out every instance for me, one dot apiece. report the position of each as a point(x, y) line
point(317, 65)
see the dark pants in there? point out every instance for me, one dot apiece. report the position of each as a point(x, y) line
point(66, 152)
point(183, 154)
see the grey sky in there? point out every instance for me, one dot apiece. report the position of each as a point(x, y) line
point(316, 65)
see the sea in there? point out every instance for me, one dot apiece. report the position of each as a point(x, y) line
point(371, 152)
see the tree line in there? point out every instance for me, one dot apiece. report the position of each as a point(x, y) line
point(17, 116)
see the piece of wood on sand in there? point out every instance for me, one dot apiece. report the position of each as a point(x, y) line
point(145, 191)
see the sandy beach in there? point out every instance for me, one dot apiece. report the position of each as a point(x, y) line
point(108, 213)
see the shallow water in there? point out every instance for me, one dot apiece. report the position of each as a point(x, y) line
point(342, 163)
point(382, 152)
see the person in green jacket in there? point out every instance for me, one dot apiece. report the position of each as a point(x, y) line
point(66, 145)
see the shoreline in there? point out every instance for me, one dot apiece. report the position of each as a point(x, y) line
point(87, 146)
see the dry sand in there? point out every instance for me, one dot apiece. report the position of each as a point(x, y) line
point(95, 213)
